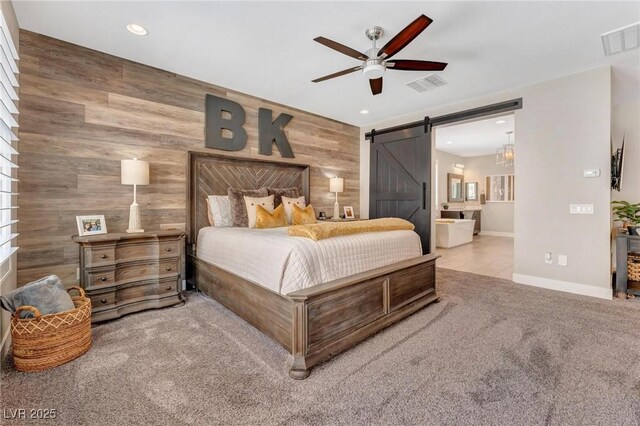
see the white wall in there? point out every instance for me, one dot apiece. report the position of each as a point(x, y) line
point(563, 128)
point(498, 216)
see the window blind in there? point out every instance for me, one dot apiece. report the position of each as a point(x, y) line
point(8, 146)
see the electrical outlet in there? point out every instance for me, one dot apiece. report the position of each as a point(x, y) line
point(548, 258)
point(562, 260)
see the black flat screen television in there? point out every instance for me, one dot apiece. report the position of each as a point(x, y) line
point(617, 161)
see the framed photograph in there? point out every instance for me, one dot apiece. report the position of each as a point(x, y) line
point(348, 212)
point(91, 225)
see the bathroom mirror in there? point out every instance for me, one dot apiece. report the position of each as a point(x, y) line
point(471, 191)
point(455, 188)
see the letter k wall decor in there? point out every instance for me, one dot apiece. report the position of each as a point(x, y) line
point(223, 114)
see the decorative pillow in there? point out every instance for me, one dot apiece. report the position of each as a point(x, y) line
point(252, 203)
point(306, 216)
point(288, 206)
point(47, 294)
point(219, 210)
point(238, 206)
point(266, 219)
point(278, 193)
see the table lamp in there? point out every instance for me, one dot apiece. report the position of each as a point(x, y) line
point(336, 185)
point(134, 172)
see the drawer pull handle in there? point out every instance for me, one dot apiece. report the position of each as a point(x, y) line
point(168, 268)
point(103, 301)
point(104, 256)
point(103, 279)
point(168, 287)
point(168, 249)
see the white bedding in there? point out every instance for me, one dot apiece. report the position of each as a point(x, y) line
point(273, 259)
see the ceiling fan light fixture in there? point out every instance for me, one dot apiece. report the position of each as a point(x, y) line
point(373, 68)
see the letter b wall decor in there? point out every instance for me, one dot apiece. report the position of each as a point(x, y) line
point(269, 130)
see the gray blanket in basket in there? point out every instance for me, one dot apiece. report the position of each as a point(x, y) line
point(47, 294)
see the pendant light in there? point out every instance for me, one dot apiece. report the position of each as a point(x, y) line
point(505, 155)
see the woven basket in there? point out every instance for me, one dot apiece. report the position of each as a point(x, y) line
point(50, 340)
point(633, 266)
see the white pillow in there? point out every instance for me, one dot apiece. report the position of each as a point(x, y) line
point(220, 209)
point(252, 202)
point(288, 206)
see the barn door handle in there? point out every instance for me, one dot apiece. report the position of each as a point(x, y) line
point(424, 195)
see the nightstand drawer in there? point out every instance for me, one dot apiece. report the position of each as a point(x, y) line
point(99, 256)
point(169, 286)
point(170, 248)
point(169, 267)
point(147, 270)
point(136, 293)
point(100, 279)
point(103, 300)
point(137, 250)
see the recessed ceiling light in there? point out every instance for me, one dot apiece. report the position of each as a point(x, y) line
point(137, 29)
point(449, 142)
point(364, 111)
point(501, 121)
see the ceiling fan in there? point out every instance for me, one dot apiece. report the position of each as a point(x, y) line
point(375, 62)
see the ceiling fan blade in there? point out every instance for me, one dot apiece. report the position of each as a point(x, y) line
point(336, 74)
point(341, 48)
point(405, 36)
point(376, 85)
point(410, 65)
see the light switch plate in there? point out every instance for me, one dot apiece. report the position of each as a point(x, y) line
point(562, 260)
point(591, 173)
point(581, 208)
point(548, 258)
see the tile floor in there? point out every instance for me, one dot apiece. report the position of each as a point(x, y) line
point(486, 255)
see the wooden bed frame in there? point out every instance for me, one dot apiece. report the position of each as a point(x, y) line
point(315, 323)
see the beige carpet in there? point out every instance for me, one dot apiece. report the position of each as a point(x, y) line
point(491, 352)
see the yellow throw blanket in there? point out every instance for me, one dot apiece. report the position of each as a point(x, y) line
point(321, 231)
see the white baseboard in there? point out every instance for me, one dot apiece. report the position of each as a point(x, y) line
point(497, 234)
point(566, 286)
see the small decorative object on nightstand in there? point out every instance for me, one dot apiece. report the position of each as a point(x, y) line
point(349, 213)
point(336, 185)
point(124, 273)
point(134, 172)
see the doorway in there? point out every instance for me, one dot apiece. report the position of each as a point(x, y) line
point(410, 199)
point(475, 195)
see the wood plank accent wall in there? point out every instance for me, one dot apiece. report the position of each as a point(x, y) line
point(82, 111)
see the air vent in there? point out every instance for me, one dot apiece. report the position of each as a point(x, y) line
point(625, 38)
point(427, 83)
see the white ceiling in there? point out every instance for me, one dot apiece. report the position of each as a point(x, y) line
point(474, 138)
point(266, 48)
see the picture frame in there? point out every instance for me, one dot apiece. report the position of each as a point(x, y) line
point(349, 213)
point(91, 225)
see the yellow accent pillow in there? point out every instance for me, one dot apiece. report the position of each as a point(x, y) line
point(266, 219)
point(302, 216)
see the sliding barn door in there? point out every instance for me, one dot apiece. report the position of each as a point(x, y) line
point(400, 180)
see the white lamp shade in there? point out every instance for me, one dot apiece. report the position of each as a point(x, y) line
point(336, 184)
point(134, 172)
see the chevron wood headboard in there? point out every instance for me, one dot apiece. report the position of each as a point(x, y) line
point(213, 174)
